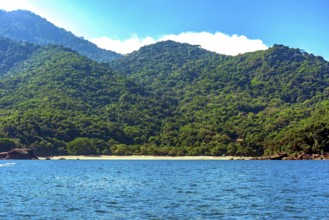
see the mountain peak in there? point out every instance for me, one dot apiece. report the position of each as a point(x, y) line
point(172, 46)
point(287, 54)
point(170, 52)
point(24, 25)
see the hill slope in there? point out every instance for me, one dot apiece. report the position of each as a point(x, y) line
point(234, 105)
point(25, 26)
point(167, 98)
point(12, 53)
point(57, 95)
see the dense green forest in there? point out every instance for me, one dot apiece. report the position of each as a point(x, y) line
point(27, 26)
point(240, 105)
point(165, 99)
point(57, 95)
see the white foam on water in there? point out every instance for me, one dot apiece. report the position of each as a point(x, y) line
point(7, 164)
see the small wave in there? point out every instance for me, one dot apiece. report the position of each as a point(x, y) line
point(7, 164)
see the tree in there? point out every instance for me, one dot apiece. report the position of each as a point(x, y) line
point(82, 146)
point(6, 144)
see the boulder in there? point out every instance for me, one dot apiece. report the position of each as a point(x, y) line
point(20, 154)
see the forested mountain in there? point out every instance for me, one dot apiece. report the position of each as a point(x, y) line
point(12, 53)
point(25, 26)
point(56, 95)
point(166, 99)
point(235, 105)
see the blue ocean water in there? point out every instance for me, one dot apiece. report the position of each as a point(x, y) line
point(164, 189)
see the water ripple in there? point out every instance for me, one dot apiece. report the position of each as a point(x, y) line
point(164, 190)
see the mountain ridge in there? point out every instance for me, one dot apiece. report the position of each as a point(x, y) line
point(24, 25)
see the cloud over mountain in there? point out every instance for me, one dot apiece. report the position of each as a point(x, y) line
point(123, 46)
point(217, 42)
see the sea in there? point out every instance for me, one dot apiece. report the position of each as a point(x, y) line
point(163, 189)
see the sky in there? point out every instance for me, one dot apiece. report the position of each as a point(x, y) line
point(224, 26)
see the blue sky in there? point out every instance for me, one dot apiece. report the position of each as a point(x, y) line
point(240, 25)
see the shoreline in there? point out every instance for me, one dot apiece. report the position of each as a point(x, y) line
point(141, 157)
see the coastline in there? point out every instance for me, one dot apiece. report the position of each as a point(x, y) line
point(141, 157)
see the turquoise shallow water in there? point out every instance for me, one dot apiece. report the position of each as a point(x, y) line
point(164, 189)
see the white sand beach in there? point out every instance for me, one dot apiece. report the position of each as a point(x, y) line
point(139, 157)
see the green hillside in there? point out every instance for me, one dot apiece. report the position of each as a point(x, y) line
point(165, 99)
point(231, 105)
point(12, 53)
point(57, 95)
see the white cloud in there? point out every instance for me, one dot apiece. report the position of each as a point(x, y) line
point(217, 42)
point(124, 46)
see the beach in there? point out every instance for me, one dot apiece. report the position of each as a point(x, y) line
point(141, 157)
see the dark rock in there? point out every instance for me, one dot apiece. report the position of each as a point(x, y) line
point(47, 158)
point(3, 155)
point(315, 156)
point(326, 156)
point(278, 156)
point(21, 154)
point(299, 157)
point(289, 157)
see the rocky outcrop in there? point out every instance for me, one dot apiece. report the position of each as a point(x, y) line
point(278, 156)
point(303, 156)
point(3, 155)
point(18, 154)
point(300, 156)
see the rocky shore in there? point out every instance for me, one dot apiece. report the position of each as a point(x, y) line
point(18, 154)
point(300, 156)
